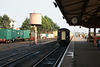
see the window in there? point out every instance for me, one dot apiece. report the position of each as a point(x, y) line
point(12, 25)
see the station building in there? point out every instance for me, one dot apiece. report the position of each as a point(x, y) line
point(13, 23)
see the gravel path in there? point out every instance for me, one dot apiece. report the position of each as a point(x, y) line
point(4, 46)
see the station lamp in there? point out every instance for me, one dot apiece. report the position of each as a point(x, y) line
point(86, 19)
point(55, 4)
point(80, 27)
point(63, 17)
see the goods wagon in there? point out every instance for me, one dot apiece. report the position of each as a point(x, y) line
point(24, 34)
point(63, 36)
point(7, 35)
point(13, 34)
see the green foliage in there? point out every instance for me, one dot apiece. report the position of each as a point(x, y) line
point(4, 22)
point(47, 25)
point(25, 25)
point(1, 20)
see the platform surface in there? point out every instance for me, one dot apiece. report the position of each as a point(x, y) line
point(81, 54)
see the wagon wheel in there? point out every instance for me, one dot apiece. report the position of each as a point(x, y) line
point(7, 42)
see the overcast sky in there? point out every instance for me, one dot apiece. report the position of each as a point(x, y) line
point(18, 10)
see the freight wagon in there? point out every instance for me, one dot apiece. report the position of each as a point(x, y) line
point(7, 35)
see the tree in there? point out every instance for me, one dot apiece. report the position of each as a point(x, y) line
point(26, 25)
point(52, 25)
point(47, 25)
point(56, 26)
point(1, 21)
point(43, 27)
point(5, 22)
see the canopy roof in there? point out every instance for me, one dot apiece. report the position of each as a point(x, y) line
point(87, 12)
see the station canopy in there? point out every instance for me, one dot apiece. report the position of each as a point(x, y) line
point(84, 13)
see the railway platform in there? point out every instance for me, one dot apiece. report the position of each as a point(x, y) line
point(81, 54)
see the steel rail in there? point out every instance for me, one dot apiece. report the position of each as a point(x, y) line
point(14, 54)
point(23, 56)
point(59, 59)
point(59, 64)
point(45, 56)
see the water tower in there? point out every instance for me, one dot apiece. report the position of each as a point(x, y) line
point(35, 20)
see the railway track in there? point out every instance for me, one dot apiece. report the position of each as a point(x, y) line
point(52, 59)
point(14, 59)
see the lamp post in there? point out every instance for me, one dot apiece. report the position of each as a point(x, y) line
point(35, 20)
point(86, 19)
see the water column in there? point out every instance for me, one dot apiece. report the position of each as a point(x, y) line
point(35, 20)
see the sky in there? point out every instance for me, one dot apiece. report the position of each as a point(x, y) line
point(18, 10)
